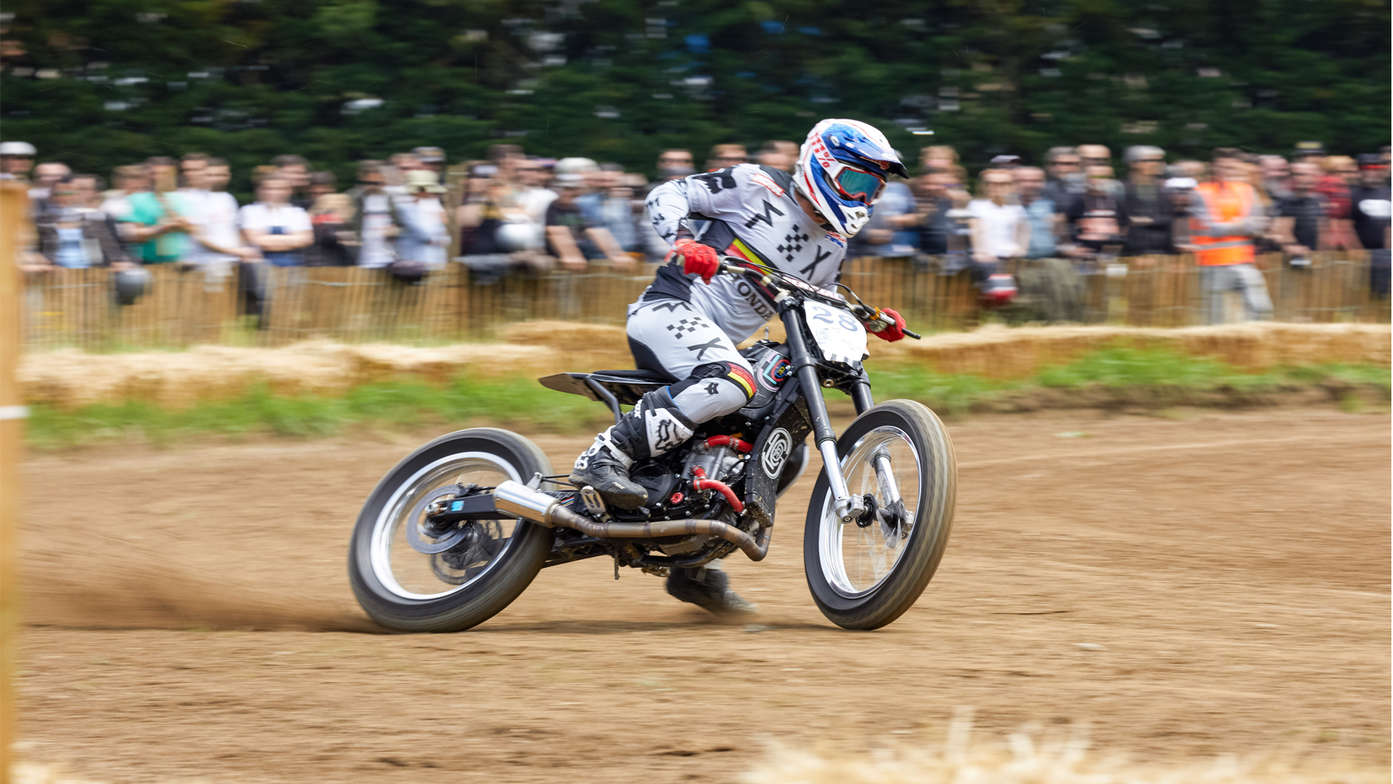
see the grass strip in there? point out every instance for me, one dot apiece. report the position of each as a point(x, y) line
point(524, 404)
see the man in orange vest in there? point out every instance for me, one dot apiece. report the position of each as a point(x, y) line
point(1225, 216)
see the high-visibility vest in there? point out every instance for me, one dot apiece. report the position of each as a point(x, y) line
point(1227, 201)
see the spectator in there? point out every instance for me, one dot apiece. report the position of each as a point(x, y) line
point(723, 155)
point(1145, 208)
point(16, 160)
point(129, 180)
point(278, 229)
point(431, 159)
point(45, 176)
point(1372, 211)
point(159, 217)
point(1040, 213)
point(569, 238)
point(932, 203)
point(217, 244)
point(190, 166)
point(1182, 196)
point(331, 216)
point(424, 241)
point(373, 224)
point(1224, 221)
point(938, 156)
point(675, 164)
point(1093, 215)
point(779, 154)
point(1301, 216)
point(531, 196)
point(295, 170)
point(1000, 229)
point(891, 231)
point(1276, 176)
point(1065, 179)
point(1371, 203)
point(73, 236)
point(611, 206)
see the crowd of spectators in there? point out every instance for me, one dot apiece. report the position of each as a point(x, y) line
point(409, 214)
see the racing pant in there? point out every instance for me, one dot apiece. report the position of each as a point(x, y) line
point(710, 377)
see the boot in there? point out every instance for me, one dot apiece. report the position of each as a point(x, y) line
point(605, 467)
point(708, 588)
point(654, 426)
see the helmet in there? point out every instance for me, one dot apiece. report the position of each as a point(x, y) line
point(842, 167)
point(130, 284)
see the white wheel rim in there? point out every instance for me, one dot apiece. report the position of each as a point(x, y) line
point(874, 553)
point(395, 512)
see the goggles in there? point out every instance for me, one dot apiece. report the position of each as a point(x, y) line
point(857, 184)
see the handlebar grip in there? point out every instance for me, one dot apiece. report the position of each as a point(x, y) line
point(912, 334)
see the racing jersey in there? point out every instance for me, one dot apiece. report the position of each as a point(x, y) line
point(749, 212)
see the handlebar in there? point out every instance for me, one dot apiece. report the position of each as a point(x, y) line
point(867, 314)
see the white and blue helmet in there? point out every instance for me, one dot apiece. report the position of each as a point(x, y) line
point(842, 168)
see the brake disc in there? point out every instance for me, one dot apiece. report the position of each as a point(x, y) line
point(422, 541)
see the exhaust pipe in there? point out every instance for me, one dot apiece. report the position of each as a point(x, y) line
point(515, 498)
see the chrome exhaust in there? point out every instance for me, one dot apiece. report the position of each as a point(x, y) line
point(515, 498)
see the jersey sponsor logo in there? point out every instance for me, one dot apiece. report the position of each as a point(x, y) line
point(717, 181)
point(775, 452)
point(755, 298)
point(760, 178)
point(767, 216)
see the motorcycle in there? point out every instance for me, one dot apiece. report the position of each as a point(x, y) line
point(459, 528)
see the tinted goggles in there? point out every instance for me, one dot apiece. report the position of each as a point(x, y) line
point(859, 185)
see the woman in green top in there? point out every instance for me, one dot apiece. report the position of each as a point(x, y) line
point(160, 217)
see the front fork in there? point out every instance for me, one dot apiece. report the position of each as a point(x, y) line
point(849, 508)
point(884, 473)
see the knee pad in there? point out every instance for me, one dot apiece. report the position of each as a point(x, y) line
point(712, 390)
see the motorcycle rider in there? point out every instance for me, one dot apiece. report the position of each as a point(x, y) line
point(766, 217)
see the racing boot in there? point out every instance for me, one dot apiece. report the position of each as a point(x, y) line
point(708, 588)
point(653, 427)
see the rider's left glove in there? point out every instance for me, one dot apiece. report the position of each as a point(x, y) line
point(890, 332)
point(697, 259)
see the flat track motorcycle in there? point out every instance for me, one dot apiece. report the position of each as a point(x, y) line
point(458, 529)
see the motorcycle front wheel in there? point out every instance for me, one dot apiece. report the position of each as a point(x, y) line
point(411, 577)
point(866, 573)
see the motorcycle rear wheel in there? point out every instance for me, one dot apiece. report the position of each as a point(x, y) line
point(865, 575)
point(404, 589)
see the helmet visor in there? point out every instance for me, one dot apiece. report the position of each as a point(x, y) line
point(859, 185)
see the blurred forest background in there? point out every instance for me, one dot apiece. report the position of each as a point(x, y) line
point(100, 83)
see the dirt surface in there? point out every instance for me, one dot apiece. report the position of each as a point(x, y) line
point(1190, 586)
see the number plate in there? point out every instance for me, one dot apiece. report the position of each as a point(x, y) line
point(837, 333)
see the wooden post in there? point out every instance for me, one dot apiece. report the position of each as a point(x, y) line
point(14, 208)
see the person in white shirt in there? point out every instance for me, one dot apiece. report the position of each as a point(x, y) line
point(275, 227)
point(217, 242)
point(1000, 229)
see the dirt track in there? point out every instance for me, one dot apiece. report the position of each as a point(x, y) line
point(1214, 583)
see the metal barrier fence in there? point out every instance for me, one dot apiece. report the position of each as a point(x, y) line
point(184, 306)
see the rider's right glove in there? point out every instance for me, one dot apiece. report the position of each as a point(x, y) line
point(697, 259)
point(892, 332)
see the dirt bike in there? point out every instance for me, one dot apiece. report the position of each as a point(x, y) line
point(458, 529)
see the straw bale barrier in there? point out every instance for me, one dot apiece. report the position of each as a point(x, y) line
point(69, 378)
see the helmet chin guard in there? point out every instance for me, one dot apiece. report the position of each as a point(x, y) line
point(842, 169)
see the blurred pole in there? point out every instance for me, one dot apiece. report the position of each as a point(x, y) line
point(14, 206)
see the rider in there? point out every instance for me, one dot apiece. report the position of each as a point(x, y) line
point(765, 217)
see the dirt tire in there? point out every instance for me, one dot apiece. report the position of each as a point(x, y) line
point(895, 592)
point(505, 577)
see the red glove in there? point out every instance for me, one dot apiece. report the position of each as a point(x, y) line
point(891, 333)
point(696, 258)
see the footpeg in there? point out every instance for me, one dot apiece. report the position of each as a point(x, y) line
point(594, 504)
